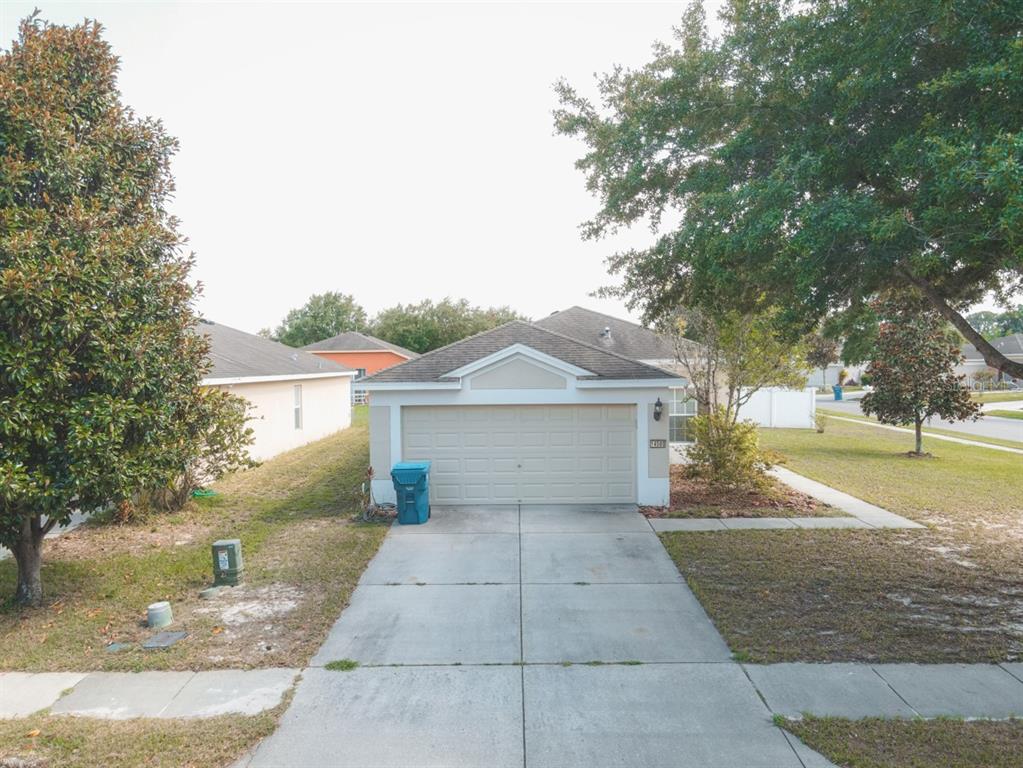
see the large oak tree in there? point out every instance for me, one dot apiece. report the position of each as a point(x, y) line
point(814, 155)
point(99, 362)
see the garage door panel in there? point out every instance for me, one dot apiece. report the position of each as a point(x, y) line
point(491, 454)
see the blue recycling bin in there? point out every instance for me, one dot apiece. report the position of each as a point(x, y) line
point(412, 487)
point(837, 389)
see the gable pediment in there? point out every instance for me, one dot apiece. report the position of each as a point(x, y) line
point(518, 372)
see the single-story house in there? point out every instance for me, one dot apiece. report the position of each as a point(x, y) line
point(973, 363)
point(296, 397)
point(363, 353)
point(521, 415)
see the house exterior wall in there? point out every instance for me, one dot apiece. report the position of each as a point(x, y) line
point(326, 408)
point(371, 360)
point(970, 368)
point(651, 463)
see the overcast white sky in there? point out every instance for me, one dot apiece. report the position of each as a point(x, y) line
point(392, 151)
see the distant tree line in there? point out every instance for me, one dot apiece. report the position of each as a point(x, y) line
point(420, 327)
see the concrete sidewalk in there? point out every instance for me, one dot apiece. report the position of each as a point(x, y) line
point(123, 695)
point(976, 691)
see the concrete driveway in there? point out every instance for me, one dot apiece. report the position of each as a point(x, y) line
point(527, 636)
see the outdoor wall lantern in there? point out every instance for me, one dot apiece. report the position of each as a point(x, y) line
point(658, 409)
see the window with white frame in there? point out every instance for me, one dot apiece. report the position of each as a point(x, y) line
point(681, 410)
point(298, 406)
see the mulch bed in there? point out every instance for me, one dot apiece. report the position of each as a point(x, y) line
point(692, 497)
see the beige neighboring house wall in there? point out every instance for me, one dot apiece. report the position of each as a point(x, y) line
point(326, 407)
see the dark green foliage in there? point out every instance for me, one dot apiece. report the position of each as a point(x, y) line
point(815, 155)
point(323, 316)
point(216, 441)
point(98, 361)
point(912, 369)
point(426, 326)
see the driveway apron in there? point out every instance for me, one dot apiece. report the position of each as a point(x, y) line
point(527, 636)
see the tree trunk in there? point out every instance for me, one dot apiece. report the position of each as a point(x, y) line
point(919, 435)
point(991, 356)
point(28, 553)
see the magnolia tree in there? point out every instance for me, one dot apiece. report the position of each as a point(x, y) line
point(913, 369)
point(99, 361)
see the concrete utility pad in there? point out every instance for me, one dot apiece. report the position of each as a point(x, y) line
point(230, 691)
point(580, 518)
point(656, 716)
point(398, 717)
point(22, 693)
point(483, 519)
point(625, 558)
point(427, 625)
point(956, 690)
point(617, 622)
point(123, 695)
point(452, 558)
point(839, 690)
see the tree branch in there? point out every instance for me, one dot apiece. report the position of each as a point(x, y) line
point(991, 356)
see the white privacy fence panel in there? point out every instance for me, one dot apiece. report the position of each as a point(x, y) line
point(777, 407)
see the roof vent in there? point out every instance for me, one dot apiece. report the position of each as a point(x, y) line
point(606, 333)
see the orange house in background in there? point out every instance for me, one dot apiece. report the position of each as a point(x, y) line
point(366, 354)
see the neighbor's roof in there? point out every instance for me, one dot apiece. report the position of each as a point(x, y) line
point(1007, 345)
point(432, 366)
point(235, 354)
point(625, 338)
point(353, 341)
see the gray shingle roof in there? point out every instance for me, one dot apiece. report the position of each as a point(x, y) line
point(353, 341)
point(626, 338)
point(236, 354)
point(433, 365)
point(1007, 345)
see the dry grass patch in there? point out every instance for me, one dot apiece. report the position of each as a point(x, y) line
point(694, 497)
point(77, 742)
point(942, 743)
point(952, 592)
point(303, 556)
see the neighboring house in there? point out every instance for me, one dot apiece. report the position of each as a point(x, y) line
point(830, 374)
point(1011, 346)
point(520, 415)
point(296, 397)
point(363, 353)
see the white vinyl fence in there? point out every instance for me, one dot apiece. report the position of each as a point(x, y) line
point(777, 407)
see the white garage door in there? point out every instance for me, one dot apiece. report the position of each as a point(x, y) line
point(524, 454)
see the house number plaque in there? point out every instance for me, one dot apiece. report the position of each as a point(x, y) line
point(658, 443)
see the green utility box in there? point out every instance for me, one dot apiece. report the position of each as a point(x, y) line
point(228, 567)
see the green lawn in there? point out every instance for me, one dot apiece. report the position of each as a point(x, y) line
point(303, 556)
point(941, 743)
point(997, 397)
point(949, 593)
point(1006, 414)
